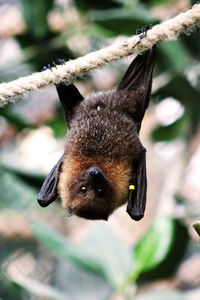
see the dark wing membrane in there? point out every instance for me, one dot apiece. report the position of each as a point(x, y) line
point(69, 98)
point(48, 192)
point(138, 78)
point(137, 198)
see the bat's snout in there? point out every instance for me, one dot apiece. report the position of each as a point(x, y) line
point(96, 177)
point(95, 172)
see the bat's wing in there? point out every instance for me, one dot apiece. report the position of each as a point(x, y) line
point(69, 98)
point(138, 78)
point(48, 192)
point(137, 189)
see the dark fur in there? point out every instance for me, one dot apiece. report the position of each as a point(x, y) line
point(108, 133)
point(103, 153)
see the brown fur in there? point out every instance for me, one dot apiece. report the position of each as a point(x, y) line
point(103, 135)
point(118, 173)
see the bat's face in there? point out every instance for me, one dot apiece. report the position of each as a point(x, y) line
point(90, 195)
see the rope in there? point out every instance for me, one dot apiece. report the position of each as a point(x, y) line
point(168, 30)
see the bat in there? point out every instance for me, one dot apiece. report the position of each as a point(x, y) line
point(104, 161)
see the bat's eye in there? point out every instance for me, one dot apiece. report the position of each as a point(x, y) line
point(99, 106)
point(100, 192)
point(83, 189)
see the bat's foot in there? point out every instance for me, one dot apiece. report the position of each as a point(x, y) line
point(143, 31)
point(60, 61)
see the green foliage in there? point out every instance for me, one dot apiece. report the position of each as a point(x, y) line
point(101, 253)
point(90, 285)
point(129, 19)
point(161, 249)
point(155, 244)
point(179, 129)
point(159, 2)
point(160, 295)
point(172, 56)
point(197, 227)
point(181, 89)
point(41, 52)
point(41, 46)
point(85, 5)
point(14, 119)
point(57, 124)
point(15, 194)
point(35, 16)
point(9, 290)
point(156, 255)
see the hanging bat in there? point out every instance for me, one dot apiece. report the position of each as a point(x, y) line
point(104, 162)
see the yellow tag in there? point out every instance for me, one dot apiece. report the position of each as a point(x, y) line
point(131, 187)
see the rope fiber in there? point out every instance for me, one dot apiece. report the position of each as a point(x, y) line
point(168, 30)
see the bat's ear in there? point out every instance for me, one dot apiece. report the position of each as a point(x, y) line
point(137, 189)
point(48, 192)
point(69, 98)
point(138, 78)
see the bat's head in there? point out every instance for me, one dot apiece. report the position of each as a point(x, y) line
point(90, 195)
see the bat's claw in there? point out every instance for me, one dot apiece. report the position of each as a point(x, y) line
point(69, 212)
point(143, 30)
point(59, 61)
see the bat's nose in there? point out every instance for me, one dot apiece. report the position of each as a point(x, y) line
point(97, 177)
point(95, 171)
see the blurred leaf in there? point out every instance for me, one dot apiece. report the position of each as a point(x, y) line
point(14, 118)
point(86, 5)
point(10, 290)
point(38, 288)
point(11, 162)
point(172, 56)
point(59, 245)
point(58, 124)
point(181, 89)
point(155, 244)
point(13, 248)
point(178, 129)
point(15, 194)
point(88, 283)
point(161, 249)
point(10, 244)
point(35, 16)
point(129, 20)
point(194, 1)
point(114, 257)
point(162, 295)
point(102, 252)
point(192, 42)
point(197, 227)
point(158, 2)
point(40, 52)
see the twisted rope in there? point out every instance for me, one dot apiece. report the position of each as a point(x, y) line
point(168, 30)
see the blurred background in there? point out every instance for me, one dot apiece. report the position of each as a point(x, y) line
point(43, 253)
